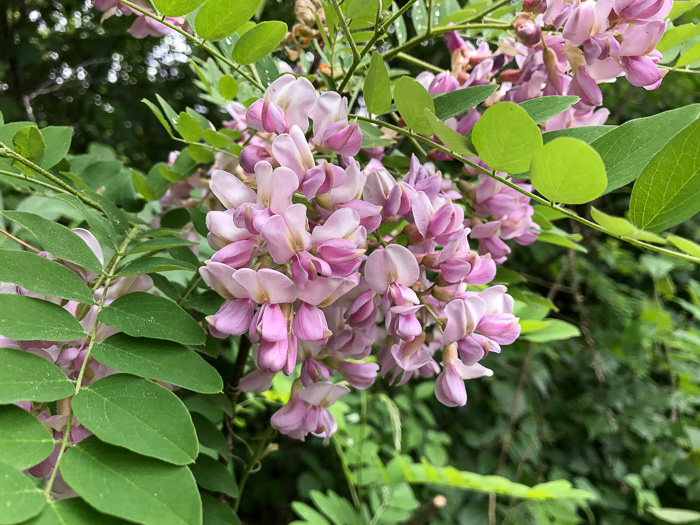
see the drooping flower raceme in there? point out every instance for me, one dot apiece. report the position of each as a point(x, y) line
point(310, 266)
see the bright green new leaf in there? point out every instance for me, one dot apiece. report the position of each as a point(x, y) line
point(20, 498)
point(680, 7)
point(544, 108)
point(177, 7)
point(28, 318)
point(449, 137)
point(677, 35)
point(140, 415)
point(188, 127)
point(411, 99)
point(218, 19)
point(228, 87)
point(685, 245)
point(629, 148)
point(214, 476)
point(160, 360)
point(668, 190)
point(419, 16)
point(259, 42)
point(457, 102)
point(28, 377)
point(40, 275)
point(29, 142)
point(556, 330)
point(56, 239)
point(506, 138)
point(24, 440)
point(72, 511)
point(145, 315)
point(690, 56)
point(675, 515)
point(624, 228)
point(116, 481)
point(57, 140)
point(569, 171)
point(376, 89)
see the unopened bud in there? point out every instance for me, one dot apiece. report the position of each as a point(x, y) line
point(528, 31)
point(535, 6)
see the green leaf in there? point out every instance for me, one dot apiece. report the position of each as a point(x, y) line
point(213, 475)
point(689, 56)
point(677, 35)
point(28, 318)
point(73, 511)
point(506, 138)
point(57, 140)
point(556, 330)
point(140, 415)
point(136, 488)
point(177, 7)
point(449, 137)
point(399, 25)
point(587, 134)
point(411, 99)
point(154, 265)
point(376, 90)
point(40, 275)
point(28, 377)
point(56, 239)
point(311, 515)
point(160, 243)
point(457, 102)
point(544, 108)
point(20, 498)
point(259, 42)
point(228, 87)
point(188, 127)
point(569, 171)
point(207, 433)
point(675, 515)
point(218, 19)
point(29, 142)
point(680, 7)
point(685, 245)
point(160, 360)
point(145, 315)
point(218, 513)
point(668, 190)
point(624, 228)
point(159, 115)
point(419, 15)
point(629, 148)
point(24, 440)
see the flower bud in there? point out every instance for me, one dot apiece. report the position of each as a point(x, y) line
point(528, 31)
point(535, 6)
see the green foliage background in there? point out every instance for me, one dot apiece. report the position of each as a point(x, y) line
point(614, 411)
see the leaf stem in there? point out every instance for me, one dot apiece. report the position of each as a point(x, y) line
point(346, 30)
point(540, 200)
point(199, 41)
point(11, 154)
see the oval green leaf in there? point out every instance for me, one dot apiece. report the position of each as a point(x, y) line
point(188, 127)
point(411, 100)
point(28, 377)
point(544, 108)
point(57, 139)
point(56, 239)
point(20, 498)
point(685, 245)
point(506, 138)
point(228, 87)
point(457, 102)
point(73, 511)
point(24, 440)
point(569, 171)
point(375, 89)
point(40, 275)
point(177, 7)
point(258, 42)
point(218, 19)
point(27, 319)
point(449, 137)
point(140, 415)
point(145, 315)
point(160, 360)
point(29, 142)
point(127, 485)
point(668, 190)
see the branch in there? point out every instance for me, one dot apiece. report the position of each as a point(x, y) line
point(199, 41)
point(540, 200)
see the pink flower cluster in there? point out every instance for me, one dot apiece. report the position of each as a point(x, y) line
point(318, 259)
point(143, 26)
point(70, 356)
